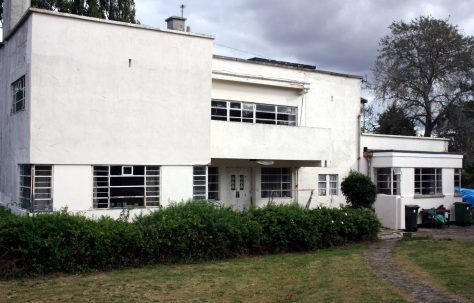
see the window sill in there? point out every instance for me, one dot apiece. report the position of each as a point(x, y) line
point(428, 196)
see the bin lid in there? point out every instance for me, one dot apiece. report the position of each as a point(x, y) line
point(412, 206)
point(462, 203)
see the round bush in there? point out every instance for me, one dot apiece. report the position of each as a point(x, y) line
point(359, 190)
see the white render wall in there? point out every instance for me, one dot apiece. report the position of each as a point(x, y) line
point(14, 128)
point(109, 93)
point(327, 118)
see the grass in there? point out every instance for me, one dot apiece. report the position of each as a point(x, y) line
point(330, 275)
point(445, 263)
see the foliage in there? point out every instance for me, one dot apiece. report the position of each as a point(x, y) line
point(426, 66)
point(359, 190)
point(118, 10)
point(186, 232)
point(458, 127)
point(394, 121)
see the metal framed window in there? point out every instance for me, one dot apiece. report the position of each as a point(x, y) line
point(428, 181)
point(205, 183)
point(328, 185)
point(276, 182)
point(18, 95)
point(457, 177)
point(118, 186)
point(36, 187)
point(387, 180)
point(246, 112)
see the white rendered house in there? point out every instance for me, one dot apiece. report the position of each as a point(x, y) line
point(98, 116)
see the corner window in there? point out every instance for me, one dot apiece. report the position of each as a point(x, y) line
point(328, 185)
point(387, 180)
point(18, 95)
point(35, 188)
point(457, 177)
point(205, 183)
point(428, 181)
point(276, 182)
point(237, 111)
point(126, 186)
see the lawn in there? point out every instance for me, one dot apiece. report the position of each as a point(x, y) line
point(445, 263)
point(330, 275)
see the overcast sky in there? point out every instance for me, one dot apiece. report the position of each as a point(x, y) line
point(335, 35)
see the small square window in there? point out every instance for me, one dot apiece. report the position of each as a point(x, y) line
point(127, 170)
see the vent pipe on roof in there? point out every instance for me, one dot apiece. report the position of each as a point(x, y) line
point(176, 23)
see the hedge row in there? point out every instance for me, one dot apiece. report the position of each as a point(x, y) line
point(185, 232)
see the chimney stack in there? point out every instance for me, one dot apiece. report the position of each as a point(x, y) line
point(176, 23)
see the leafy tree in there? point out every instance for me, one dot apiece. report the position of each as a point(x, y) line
point(426, 65)
point(394, 121)
point(359, 190)
point(118, 10)
point(458, 127)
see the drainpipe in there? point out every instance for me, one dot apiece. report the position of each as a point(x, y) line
point(359, 130)
point(368, 156)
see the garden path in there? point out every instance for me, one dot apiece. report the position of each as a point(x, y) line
point(381, 260)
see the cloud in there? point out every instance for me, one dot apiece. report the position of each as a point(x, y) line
point(336, 35)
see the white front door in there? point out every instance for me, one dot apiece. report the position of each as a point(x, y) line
point(239, 187)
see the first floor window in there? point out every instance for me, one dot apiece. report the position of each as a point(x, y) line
point(387, 180)
point(36, 187)
point(428, 181)
point(246, 112)
point(205, 183)
point(328, 185)
point(118, 186)
point(457, 177)
point(18, 95)
point(276, 182)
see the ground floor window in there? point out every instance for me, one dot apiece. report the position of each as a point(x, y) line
point(121, 186)
point(35, 188)
point(387, 180)
point(428, 181)
point(457, 177)
point(205, 183)
point(328, 185)
point(276, 182)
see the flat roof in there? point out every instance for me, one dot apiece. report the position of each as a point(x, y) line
point(98, 20)
point(288, 65)
point(412, 152)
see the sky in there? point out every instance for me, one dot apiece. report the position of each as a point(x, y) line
point(335, 35)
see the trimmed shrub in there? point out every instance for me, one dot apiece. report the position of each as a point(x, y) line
point(359, 190)
point(185, 232)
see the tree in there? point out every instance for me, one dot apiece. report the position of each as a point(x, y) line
point(359, 190)
point(394, 121)
point(118, 10)
point(426, 66)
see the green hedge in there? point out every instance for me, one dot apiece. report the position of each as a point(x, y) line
point(184, 232)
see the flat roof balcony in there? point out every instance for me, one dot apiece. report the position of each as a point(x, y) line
point(230, 140)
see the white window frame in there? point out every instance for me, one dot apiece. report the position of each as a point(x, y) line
point(202, 181)
point(102, 185)
point(457, 177)
point(277, 172)
point(388, 180)
point(238, 106)
point(436, 184)
point(16, 87)
point(327, 186)
point(40, 187)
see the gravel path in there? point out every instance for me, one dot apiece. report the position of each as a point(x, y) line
point(380, 256)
